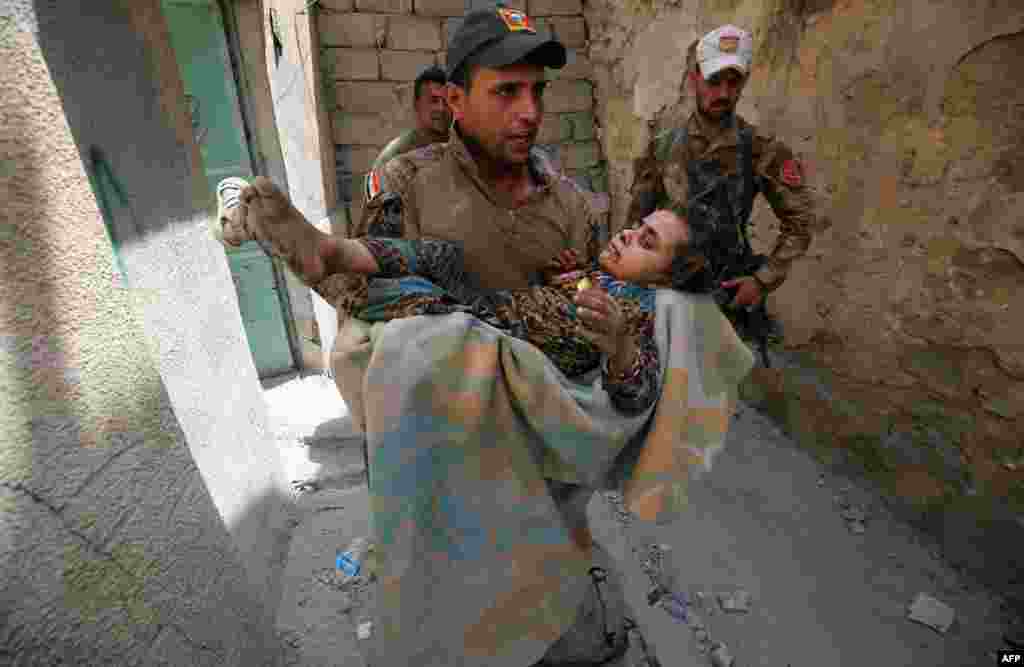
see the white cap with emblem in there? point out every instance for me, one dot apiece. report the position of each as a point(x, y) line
point(724, 48)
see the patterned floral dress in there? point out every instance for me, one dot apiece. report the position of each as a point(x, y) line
point(428, 277)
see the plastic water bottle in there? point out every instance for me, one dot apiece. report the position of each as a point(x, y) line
point(350, 561)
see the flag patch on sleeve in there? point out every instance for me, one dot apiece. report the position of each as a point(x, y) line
point(792, 172)
point(372, 184)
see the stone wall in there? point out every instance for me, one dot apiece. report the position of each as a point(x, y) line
point(372, 51)
point(143, 512)
point(902, 325)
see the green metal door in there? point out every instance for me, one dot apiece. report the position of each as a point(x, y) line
point(200, 46)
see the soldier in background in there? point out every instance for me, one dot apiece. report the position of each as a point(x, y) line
point(713, 167)
point(432, 122)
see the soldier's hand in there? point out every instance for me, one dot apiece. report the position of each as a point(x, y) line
point(567, 260)
point(748, 291)
point(602, 321)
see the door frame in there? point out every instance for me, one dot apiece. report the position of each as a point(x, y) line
point(262, 146)
point(260, 155)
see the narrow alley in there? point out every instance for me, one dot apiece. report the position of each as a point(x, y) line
point(178, 470)
point(825, 574)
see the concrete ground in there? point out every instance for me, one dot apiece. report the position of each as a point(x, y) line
point(829, 571)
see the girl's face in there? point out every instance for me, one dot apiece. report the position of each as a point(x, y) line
point(644, 255)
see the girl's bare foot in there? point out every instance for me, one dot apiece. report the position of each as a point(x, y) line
point(262, 212)
point(266, 214)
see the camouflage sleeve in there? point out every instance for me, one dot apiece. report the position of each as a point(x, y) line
point(390, 209)
point(648, 184)
point(636, 390)
point(783, 182)
point(391, 214)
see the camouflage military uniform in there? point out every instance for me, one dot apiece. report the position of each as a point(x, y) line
point(717, 171)
point(436, 192)
point(669, 168)
point(409, 140)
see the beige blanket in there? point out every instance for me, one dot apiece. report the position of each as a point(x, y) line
point(465, 425)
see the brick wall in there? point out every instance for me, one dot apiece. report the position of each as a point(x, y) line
point(372, 51)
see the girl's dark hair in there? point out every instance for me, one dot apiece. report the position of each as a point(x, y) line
point(691, 270)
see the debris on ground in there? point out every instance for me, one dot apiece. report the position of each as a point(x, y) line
point(737, 602)
point(720, 656)
point(675, 605)
point(618, 505)
point(701, 636)
point(926, 610)
point(365, 629)
point(657, 563)
point(305, 486)
point(853, 513)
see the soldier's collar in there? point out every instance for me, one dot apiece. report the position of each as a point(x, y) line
point(429, 136)
point(541, 169)
point(720, 134)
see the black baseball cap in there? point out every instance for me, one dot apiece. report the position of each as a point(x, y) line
point(500, 36)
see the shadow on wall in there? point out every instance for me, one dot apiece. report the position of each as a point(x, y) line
point(111, 546)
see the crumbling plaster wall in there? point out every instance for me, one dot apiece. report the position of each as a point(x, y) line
point(143, 513)
point(903, 324)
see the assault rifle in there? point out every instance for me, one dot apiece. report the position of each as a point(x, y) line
point(751, 322)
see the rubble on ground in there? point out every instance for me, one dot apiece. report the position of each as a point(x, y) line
point(933, 613)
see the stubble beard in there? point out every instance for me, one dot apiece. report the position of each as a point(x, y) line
point(498, 159)
point(721, 115)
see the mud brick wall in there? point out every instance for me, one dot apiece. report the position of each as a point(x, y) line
point(373, 50)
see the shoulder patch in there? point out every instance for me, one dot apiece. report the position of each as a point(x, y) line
point(397, 173)
point(372, 184)
point(792, 172)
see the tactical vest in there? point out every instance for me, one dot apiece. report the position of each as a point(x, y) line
point(719, 205)
point(718, 212)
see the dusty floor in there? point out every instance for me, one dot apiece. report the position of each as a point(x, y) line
point(830, 573)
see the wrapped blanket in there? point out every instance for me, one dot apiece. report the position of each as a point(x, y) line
point(465, 425)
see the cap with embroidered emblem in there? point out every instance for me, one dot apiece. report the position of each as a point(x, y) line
point(500, 36)
point(727, 47)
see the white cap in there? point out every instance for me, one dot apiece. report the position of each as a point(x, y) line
point(723, 48)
